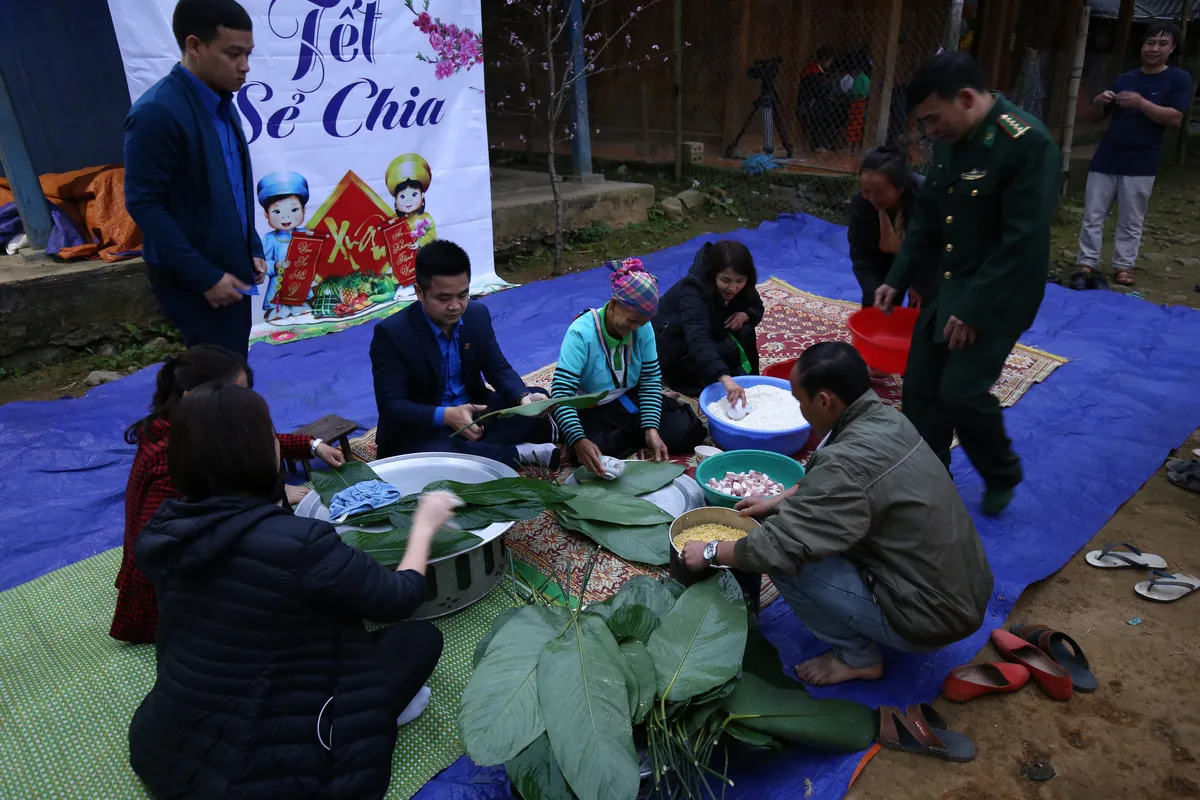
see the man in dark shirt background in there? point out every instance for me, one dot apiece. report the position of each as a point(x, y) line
point(1142, 104)
point(188, 179)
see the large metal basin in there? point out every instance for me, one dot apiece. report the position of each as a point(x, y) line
point(451, 582)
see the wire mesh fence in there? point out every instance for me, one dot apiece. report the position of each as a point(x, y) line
point(777, 100)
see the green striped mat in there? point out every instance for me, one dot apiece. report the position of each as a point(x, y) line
point(68, 690)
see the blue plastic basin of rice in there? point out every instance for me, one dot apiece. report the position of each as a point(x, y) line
point(732, 437)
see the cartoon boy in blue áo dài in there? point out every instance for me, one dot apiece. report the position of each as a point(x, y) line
point(283, 196)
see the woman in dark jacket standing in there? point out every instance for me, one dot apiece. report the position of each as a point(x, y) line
point(706, 322)
point(268, 685)
point(878, 216)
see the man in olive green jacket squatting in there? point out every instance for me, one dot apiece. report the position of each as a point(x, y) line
point(874, 547)
point(983, 217)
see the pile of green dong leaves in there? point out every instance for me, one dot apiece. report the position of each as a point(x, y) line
point(573, 704)
point(608, 512)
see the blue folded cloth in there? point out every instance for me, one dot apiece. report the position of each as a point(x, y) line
point(360, 497)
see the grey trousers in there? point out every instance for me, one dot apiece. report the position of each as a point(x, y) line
point(1132, 193)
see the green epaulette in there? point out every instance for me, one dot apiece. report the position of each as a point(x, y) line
point(1013, 125)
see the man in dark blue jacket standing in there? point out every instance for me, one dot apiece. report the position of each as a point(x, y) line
point(188, 179)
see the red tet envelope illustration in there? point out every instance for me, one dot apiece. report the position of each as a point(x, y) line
point(400, 239)
point(304, 256)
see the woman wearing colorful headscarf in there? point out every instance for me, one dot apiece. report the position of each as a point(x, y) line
point(612, 348)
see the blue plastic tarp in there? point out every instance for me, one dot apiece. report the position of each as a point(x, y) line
point(1089, 436)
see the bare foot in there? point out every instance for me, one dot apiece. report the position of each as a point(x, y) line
point(828, 669)
point(878, 375)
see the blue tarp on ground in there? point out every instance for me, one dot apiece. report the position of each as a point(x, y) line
point(1089, 436)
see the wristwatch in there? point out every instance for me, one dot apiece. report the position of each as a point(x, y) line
point(710, 552)
point(315, 444)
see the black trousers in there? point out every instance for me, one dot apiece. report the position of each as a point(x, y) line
point(948, 391)
point(200, 323)
point(409, 651)
point(679, 368)
point(618, 432)
point(500, 437)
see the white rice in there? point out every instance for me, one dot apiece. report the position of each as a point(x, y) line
point(771, 409)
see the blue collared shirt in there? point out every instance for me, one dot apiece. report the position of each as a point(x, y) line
point(454, 387)
point(219, 106)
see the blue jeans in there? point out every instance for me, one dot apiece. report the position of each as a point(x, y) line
point(832, 600)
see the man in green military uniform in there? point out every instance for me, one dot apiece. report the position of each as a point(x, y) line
point(983, 217)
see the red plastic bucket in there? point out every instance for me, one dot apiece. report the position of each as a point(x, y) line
point(883, 339)
point(782, 370)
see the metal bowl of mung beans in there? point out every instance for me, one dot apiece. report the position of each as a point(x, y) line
point(708, 524)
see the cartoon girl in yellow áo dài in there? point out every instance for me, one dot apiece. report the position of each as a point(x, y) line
point(408, 178)
point(283, 196)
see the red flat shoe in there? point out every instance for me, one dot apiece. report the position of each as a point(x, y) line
point(972, 680)
point(1048, 674)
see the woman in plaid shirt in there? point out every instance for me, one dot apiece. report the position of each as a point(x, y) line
point(149, 484)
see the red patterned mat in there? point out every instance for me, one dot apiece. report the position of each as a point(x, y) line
point(794, 321)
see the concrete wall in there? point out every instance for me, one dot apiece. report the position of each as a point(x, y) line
point(52, 312)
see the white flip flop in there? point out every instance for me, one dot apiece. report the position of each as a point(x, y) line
point(1133, 559)
point(1167, 587)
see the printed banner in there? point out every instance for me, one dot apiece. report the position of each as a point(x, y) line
point(367, 133)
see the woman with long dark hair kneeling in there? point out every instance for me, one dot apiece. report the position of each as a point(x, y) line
point(706, 322)
point(268, 684)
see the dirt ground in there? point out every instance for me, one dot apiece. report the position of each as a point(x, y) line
point(1138, 736)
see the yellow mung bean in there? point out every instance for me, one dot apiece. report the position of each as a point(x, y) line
point(707, 533)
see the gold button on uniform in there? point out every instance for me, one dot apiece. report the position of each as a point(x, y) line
point(974, 192)
point(950, 190)
point(946, 276)
point(949, 248)
point(949, 220)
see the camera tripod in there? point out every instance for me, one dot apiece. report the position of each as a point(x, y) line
point(768, 105)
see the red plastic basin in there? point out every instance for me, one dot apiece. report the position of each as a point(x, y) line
point(883, 339)
point(782, 370)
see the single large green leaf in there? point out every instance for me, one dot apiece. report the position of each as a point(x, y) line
point(595, 504)
point(585, 705)
point(499, 714)
point(504, 491)
point(387, 547)
point(535, 775)
point(329, 482)
point(539, 407)
point(645, 544)
point(833, 725)
point(752, 738)
point(497, 624)
point(639, 477)
point(699, 644)
point(762, 659)
point(473, 518)
point(642, 665)
point(632, 621)
point(379, 516)
point(719, 693)
point(642, 590)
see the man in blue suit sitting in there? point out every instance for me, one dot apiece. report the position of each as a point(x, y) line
point(188, 181)
point(430, 363)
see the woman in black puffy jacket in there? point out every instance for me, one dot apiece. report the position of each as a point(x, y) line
point(268, 685)
point(705, 328)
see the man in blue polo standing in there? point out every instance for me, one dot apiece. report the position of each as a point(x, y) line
point(188, 180)
point(1140, 104)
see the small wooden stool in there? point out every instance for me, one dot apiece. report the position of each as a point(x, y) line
point(328, 429)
